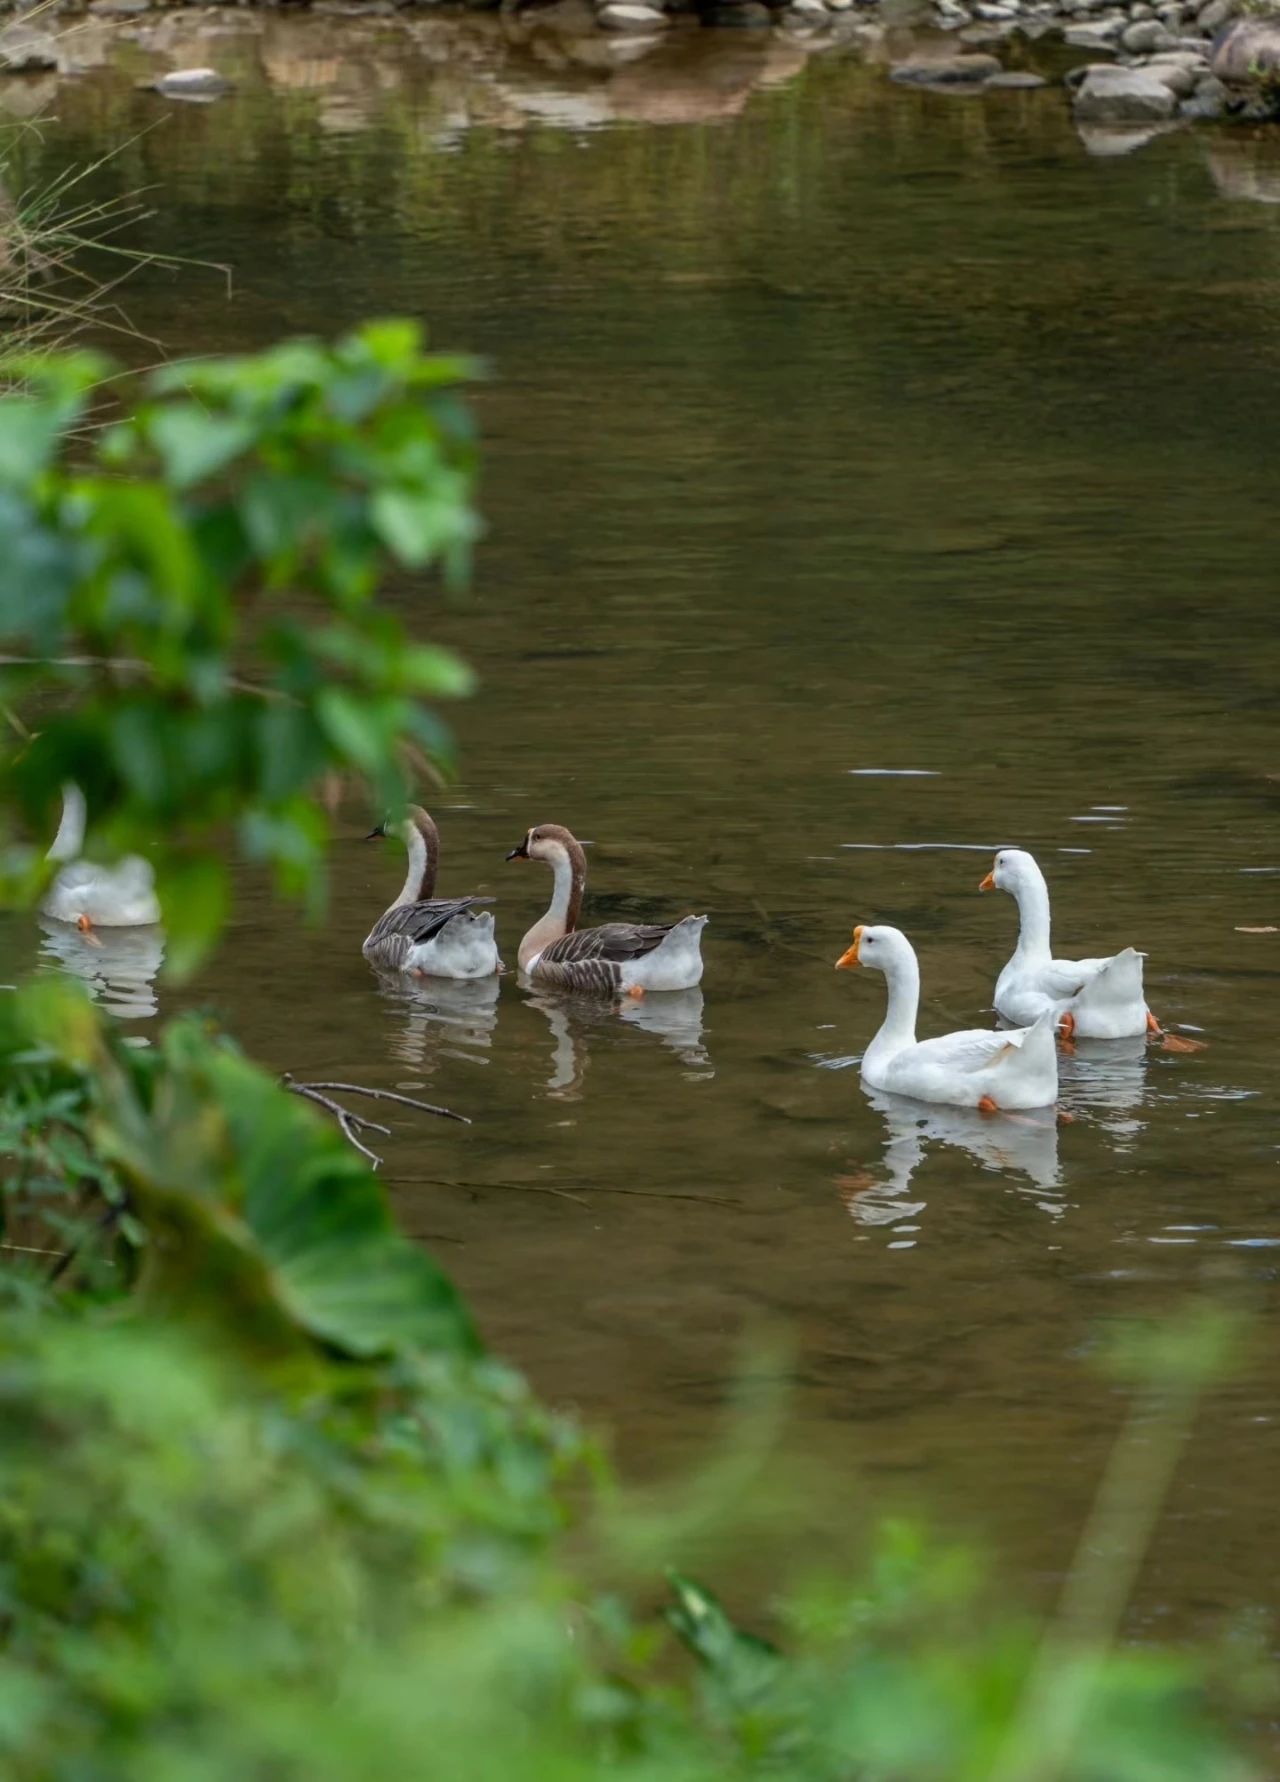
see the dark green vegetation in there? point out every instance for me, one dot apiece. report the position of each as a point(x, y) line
point(267, 1509)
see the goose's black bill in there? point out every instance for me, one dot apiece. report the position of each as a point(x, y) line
point(375, 833)
point(521, 852)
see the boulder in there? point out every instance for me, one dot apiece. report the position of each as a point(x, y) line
point(945, 71)
point(1247, 53)
point(1179, 71)
point(1123, 96)
point(1147, 35)
point(24, 51)
point(1215, 15)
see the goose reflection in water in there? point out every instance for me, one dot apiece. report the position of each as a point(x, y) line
point(1106, 1080)
point(674, 1016)
point(441, 1018)
point(118, 966)
point(1022, 1145)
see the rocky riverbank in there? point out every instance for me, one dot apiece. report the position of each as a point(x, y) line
point(1138, 67)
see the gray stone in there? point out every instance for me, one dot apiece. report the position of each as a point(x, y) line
point(24, 51)
point(945, 71)
point(1140, 10)
point(975, 34)
point(1171, 17)
point(1179, 80)
point(192, 83)
point(1123, 96)
point(993, 15)
point(1090, 36)
point(1216, 14)
point(1018, 78)
point(1247, 50)
point(1207, 102)
point(119, 9)
point(629, 15)
point(1147, 35)
point(812, 11)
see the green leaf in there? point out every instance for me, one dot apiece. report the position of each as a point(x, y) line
point(354, 728)
point(195, 894)
point(412, 527)
point(194, 444)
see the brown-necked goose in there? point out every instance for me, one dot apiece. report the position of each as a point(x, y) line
point(440, 937)
point(619, 956)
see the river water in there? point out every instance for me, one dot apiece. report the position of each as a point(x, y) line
point(872, 477)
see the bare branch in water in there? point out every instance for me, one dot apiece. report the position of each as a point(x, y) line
point(351, 1124)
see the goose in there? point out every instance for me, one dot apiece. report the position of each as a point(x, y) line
point(1017, 1068)
point(1089, 998)
point(440, 937)
point(119, 896)
point(629, 957)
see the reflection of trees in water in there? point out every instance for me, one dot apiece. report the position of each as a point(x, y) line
point(118, 966)
point(673, 1016)
point(437, 1018)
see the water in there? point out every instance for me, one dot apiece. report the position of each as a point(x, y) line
point(873, 478)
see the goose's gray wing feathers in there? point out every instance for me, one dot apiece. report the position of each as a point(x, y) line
point(593, 958)
point(407, 925)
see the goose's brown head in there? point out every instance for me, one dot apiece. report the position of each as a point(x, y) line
point(546, 841)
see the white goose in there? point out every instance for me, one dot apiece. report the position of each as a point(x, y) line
point(432, 937)
point(971, 1069)
point(119, 896)
point(1089, 998)
point(631, 957)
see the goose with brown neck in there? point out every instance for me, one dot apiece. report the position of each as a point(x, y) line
point(437, 937)
point(616, 958)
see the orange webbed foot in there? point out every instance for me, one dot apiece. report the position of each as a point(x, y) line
point(1171, 1042)
point(987, 1106)
point(636, 991)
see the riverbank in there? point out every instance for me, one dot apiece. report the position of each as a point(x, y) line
point(1128, 69)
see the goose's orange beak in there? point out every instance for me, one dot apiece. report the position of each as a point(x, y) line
point(849, 958)
point(989, 883)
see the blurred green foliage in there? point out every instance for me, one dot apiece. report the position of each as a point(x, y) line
point(200, 578)
point(268, 1511)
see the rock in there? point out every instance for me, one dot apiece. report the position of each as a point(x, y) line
point(630, 15)
point(24, 51)
point(119, 9)
point(1209, 101)
point(945, 71)
point(1216, 14)
point(976, 34)
point(993, 15)
point(1247, 51)
point(192, 83)
point(1180, 81)
point(1017, 78)
point(1147, 35)
point(1123, 96)
point(1091, 36)
point(813, 12)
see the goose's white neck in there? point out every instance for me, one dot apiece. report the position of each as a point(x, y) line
point(898, 1029)
point(420, 878)
point(569, 868)
point(69, 841)
point(1031, 895)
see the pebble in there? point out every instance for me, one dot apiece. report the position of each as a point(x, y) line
point(192, 83)
point(1145, 36)
point(1017, 78)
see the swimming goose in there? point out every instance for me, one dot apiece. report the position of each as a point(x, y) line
point(1089, 998)
point(119, 896)
point(442, 937)
point(620, 956)
point(972, 1069)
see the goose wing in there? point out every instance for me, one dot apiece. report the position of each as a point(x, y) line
point(616, 943)
point(408, 925)
point(974, 1048)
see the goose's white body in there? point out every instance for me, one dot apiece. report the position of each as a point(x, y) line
point(119, 896)
point(466, 947)
point(1103, 997)
point(973, 1068)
